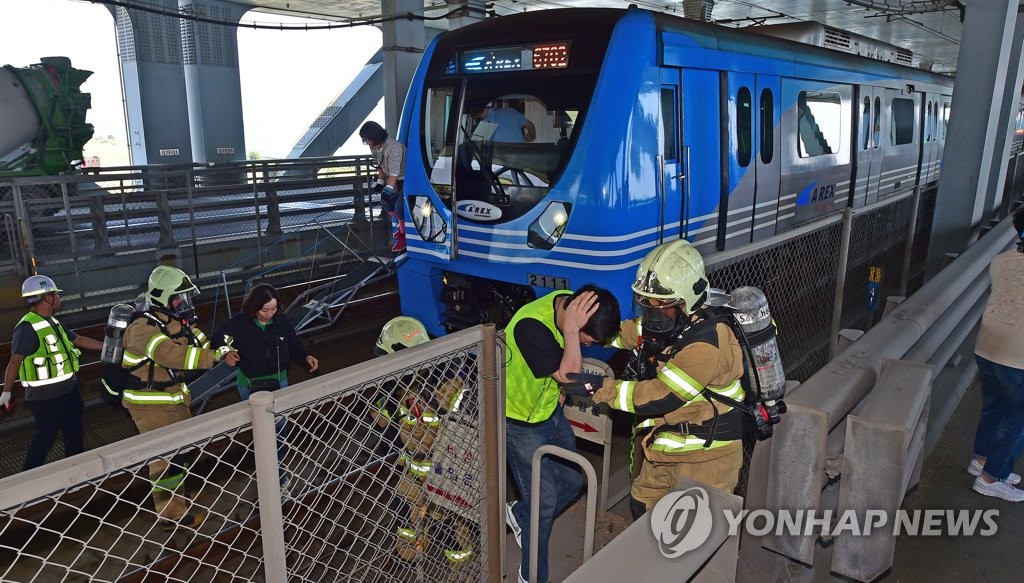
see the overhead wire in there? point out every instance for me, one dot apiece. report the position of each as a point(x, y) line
point(185, 15)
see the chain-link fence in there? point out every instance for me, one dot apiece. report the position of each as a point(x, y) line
point(382, 472)
point(99, 235)
point(799, 271)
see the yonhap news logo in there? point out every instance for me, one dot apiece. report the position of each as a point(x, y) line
point(682, 521)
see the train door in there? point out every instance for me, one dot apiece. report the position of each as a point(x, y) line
point(900, 137)
point(701, 120)
point(673, 179)
point(929, 139)
point(751, 197)
point(868, 146)
point(741, 180)
point(768, 161)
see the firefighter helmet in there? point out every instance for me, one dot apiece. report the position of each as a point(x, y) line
point(400, 332)
point(166, 282)
point(672, 274)
point(34, 288)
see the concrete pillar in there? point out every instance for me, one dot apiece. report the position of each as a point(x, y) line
point(473, 11)
point(1007, 115)
point(979, 96)
point(212, 81)
point(403, 45)
point(149, 48)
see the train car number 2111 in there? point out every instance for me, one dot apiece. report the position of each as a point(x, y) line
point(548, 281)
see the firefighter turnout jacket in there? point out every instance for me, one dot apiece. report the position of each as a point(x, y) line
point(157, 351)
point(669, 405)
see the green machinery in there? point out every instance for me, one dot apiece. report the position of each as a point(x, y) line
point(42, 118)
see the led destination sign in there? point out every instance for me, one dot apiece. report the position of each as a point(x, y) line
point(517, 58)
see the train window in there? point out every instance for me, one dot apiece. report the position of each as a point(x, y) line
point(436, 139)
point(865, 123)
point(668, 123)
point(767, 114)
point(928, 122)
point(901, 130)
point(876, 129)
point(945, 119)
point(819, 119)
point(744, 126)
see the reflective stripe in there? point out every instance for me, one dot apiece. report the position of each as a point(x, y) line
point(624, 396)
point(419, 468)
point(406, 533)
point(647, 423)
point(109, 390)
point(131, 359)
point(617, 342)
point(456, 556)
point(673, 443)
point(192, 357)
point(44, 382)
point(169, 482)
point(155, 397)
point(683, 384)
point(37, 326)
point(733, 391)
point(154, 342)
point(431, 420)
point(457, 401)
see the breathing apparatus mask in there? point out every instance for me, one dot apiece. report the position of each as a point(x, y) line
point(183, 308)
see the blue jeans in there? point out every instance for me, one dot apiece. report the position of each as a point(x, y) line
point(1000, 435)
point(560, 482)
point(62, 413)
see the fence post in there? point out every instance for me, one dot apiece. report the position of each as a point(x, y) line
point(163, 213)
point(273, 211)
point(268, 486)
point(908, 251)
point(837, 306)
point(100, 236)
point(25, 230)
point(493, 460)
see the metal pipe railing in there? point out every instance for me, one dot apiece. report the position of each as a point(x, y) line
point(535, 494)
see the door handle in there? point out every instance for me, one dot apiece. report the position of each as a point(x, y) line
point(680, 176)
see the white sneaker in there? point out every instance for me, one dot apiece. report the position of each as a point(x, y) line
point(998, 489)
point(975, 467)
point(510, 520)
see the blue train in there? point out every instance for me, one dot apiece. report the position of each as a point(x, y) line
point(630, 128)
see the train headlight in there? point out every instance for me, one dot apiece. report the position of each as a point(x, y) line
point(428, 221)
point(549, 226)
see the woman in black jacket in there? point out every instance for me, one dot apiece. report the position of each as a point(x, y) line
point(266, 342)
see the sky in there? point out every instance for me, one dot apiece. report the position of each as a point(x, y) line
point(304, 69)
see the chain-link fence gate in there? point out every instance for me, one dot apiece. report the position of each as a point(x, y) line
point(385, 471)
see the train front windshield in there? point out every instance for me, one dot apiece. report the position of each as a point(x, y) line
point(500, 124)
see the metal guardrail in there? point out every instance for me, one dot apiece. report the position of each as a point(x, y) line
point(100, 233)
point(536, 493)
point(805, 465)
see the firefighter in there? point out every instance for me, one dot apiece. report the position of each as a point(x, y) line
point(682, 354)
point(164, 350)
point(414, 409)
